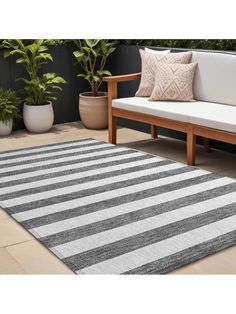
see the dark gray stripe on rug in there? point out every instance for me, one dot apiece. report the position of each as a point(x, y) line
point(182, 258)
point(110, 187)
point(64, 163)
point(62, 155)
point(79, 170)
point(124, 219)
point(91, 208)
point(86, 192)
point(85, 259)
point(83, 180)
point(42, 154)
point(25, 151)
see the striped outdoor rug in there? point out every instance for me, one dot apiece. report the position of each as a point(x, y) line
point(106, 209)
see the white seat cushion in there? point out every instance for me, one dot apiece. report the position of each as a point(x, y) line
point(217, 116)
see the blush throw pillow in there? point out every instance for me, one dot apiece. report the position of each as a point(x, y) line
point(149, 62)
point(174, 82)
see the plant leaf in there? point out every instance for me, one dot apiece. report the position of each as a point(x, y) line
point(103, 72)
point(92, 42)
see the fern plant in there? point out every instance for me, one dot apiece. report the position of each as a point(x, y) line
point(92, 56)
point(38, 89)
point(9, 105)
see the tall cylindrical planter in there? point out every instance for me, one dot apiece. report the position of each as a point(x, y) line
point(6, 127)
point(94, 110)
point(38, 119)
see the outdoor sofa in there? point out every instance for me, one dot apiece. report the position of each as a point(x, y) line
point(212, 115)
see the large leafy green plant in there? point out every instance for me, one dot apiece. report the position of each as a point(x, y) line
point(38, 89)
point(9, 105)
point(92, 56)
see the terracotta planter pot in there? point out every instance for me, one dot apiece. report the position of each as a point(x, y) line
point(6, 127)
point(38, 119)
point(94, 110)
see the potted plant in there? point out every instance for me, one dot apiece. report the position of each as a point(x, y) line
point(92, 56)
point(9, 109)
point(39, 90)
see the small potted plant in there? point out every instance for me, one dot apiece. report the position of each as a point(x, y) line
point(92, 56)
point(39, 89)
point(9, 109)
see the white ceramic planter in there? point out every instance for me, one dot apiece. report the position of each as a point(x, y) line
point(94, 110)
point(38, 119)
point(6, 127)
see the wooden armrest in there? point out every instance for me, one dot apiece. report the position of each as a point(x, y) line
point(122, 78)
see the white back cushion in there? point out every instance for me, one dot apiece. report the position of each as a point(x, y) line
point(162, 52)
point(215, 77)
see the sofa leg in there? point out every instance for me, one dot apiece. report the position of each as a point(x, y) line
point(112, 121)
point(191, 148)
point(207, 148)
point(112, 130)
point(154, 132)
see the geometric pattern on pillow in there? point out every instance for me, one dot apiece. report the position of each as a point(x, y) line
point(174, 82)
point(149, 62)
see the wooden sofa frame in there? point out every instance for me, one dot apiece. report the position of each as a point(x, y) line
point(192, 130)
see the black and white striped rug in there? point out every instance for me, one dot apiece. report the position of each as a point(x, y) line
point(106, 209)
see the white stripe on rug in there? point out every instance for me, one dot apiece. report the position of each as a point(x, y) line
point(42, 211)
point(53, 154)
point(63, 159)
point(191, 210)
point(93, 184)
point(113, 235)
point(153, 252)
point(73, 166)
point(78, 175)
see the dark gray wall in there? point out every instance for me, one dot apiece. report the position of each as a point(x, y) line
point(127, 60)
